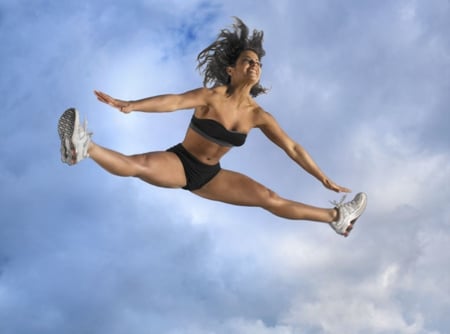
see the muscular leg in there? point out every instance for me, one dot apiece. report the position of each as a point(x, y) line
point(162, 169)
point(165, 169)
point(234, 188)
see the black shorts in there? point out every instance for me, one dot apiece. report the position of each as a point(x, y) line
point(197, 173)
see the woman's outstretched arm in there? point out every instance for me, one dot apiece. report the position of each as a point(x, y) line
point(161, 103)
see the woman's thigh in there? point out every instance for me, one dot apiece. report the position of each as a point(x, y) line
point(238, 189)
point(163, 169)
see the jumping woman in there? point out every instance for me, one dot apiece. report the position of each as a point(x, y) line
point(224, 113)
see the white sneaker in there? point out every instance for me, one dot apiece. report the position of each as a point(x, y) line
point(348, 213)
point(75, 139)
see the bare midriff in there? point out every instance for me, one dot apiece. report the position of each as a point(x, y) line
point(204, 150)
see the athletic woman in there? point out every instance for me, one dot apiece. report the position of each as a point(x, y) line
point(224, 113)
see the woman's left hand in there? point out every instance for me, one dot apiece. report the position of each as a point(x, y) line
point(333, 186)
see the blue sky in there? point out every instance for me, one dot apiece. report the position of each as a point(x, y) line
point(363, 85)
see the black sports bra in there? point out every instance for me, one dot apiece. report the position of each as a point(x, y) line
point(216, 132)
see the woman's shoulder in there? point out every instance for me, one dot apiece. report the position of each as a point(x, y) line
point(261, 117)
point(211, 91)
point(218, 90)
point(257, 110)
point(204, 93)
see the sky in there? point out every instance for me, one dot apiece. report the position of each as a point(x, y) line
point(363, 85)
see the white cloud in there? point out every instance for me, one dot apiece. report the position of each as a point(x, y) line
point(339, 314)
point(397, 173)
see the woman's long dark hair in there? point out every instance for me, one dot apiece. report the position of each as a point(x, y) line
point(224, 52)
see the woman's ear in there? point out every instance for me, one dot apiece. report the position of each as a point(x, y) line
point(229, 70)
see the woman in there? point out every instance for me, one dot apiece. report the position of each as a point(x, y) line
point(223, 116)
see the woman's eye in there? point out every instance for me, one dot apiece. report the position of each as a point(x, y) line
point(253, 62)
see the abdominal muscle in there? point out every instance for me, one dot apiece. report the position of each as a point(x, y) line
point(204, 150)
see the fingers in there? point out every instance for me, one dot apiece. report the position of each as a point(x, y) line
point(333, 186)
point(339, 189)
point(99, 94)
point(105, 98)
point(102, 97)
point(344, 190)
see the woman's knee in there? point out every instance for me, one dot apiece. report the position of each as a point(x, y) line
point(270, 199)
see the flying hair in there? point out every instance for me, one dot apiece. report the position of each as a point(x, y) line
point(224, 52)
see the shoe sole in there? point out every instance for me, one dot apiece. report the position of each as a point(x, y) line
point(66, 128)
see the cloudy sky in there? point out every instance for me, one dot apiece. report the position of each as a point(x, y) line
point(362, 84)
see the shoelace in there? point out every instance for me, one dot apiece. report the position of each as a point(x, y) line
point(85, 129)
point(339, 204)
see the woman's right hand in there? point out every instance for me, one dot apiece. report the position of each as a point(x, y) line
point(123, 106)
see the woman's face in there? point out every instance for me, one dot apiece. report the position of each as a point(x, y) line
point(247, 68)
